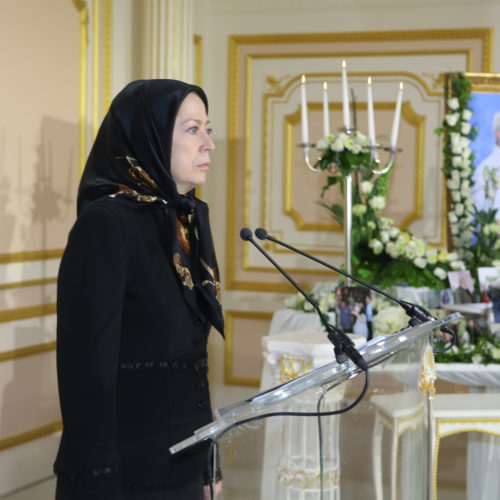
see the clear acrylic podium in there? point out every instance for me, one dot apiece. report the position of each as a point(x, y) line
point(377, 450)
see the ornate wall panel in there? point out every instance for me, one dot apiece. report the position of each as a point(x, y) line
point(268, 183)
point(244, 331)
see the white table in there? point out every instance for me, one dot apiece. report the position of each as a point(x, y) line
point(483, 451)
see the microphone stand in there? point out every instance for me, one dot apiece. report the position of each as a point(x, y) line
point(416, 313)
point(343, 346)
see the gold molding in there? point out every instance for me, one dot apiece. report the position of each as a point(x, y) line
point(95, 66)
point(453, 432)
point(229, 378)
point(232, 155)
point(8, 258)
point(31, 350)
point(20, 284)
point(31, 435)
point(484, 34)
point(108, 52)
point(236, 142)
point(484, 82)
point(198, 60)
point(27, 312)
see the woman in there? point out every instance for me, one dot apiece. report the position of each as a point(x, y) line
point(138, 290)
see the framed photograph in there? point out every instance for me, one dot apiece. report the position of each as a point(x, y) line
point(354, 310)
point(485, 105)
point(489, 285)
point(462, 287)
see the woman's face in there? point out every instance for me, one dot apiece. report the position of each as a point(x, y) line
point(191, 144)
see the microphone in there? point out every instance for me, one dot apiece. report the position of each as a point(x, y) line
point(416, 313)
point(343, 346)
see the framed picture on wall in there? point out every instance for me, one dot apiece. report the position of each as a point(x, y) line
point(485, 104)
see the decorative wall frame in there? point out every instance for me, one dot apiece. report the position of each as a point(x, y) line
point(267, 183)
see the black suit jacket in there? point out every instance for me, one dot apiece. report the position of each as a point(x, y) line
point(131, 356)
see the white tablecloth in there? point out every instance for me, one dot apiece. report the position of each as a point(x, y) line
point(473, 375)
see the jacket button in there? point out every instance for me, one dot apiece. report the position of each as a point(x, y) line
point(202, 405)
point(196, 319)
point(201, 384)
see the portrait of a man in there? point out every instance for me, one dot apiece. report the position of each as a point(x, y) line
point(486, 148)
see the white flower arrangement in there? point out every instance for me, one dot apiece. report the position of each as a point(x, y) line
point(474, 232)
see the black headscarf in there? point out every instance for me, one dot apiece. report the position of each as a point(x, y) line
point(130, 160)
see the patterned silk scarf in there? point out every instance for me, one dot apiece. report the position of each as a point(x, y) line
point(130, 160)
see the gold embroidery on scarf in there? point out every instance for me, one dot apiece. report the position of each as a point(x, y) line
point(182, 223)
point(132, 193)
point(138, 174)
point(214, 283)
point(183, 272)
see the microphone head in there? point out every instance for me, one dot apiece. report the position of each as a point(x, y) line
point(261, 233)
point(245, 234)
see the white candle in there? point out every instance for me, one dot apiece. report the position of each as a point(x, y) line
point(326, 118)
point(371, 117)
point(397, 115)
point(345, 97)
point(303, 102)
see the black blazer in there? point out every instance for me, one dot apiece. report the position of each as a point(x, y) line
point(131, 356)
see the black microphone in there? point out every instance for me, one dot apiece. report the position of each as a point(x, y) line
point(417, 313)
point(343, 346)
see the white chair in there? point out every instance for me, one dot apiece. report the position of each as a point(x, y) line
point(398, 413)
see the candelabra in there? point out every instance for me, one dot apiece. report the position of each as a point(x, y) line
point(374, 163)
point(374, 166)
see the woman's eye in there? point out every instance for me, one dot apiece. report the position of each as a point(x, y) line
point(208, 131)
point(193, 130)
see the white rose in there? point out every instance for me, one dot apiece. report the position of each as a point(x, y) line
point(452, 217)
point(455, 196)
point(457, 265)
point(440, 273)
point(464, 141)
point(322, 144)
point(465, 128)
point(356, 149)
point(410, 252)
point(454, 229)
point(323, 304)
point(453, 103)
point(477, 359)
point(384, 236)
point(394, 232)
point(452, 119)
point(377, 202)
point(432, 259)
point(495, 353)
point(308, 307)
point(359, 209)
point(456, 161)
point(376, 246)
point(466, 152)
point(459, 209)
point(392, 249)
point(420, 262)
point(465, 172)
point(366, 187)
point(348, 142)
point(337, 145)
point(467, 114)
